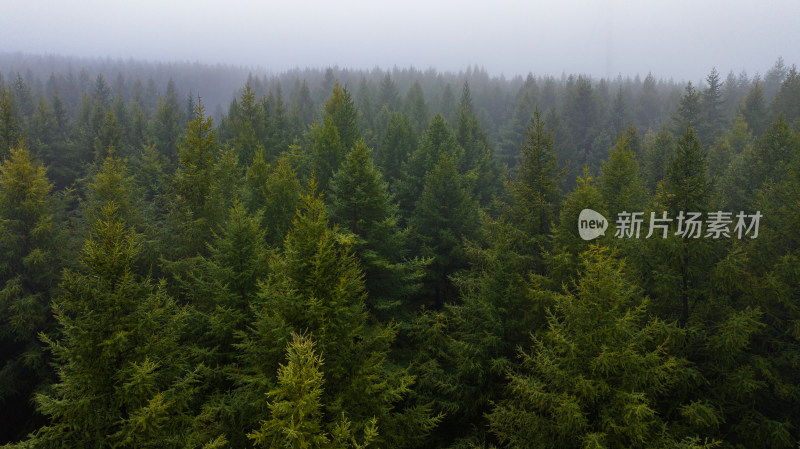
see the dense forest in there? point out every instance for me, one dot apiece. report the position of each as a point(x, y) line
point(198, 256)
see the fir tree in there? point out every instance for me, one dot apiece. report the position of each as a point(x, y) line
point(121, 381)
point(444, 216)
point(597, 375)
point(29, 263)
point(360, 204)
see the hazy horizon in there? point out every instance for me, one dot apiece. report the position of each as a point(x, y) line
point(681, 40)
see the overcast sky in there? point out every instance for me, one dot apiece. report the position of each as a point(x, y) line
point(682, 39)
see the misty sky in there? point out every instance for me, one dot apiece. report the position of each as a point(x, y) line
point(681, 39)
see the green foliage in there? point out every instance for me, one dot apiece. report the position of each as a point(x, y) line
point(437, 142)
point(399, 141)
point(29, 262)
point(596, 376)
point(445, 216)
point(10, 132)
point(620, 185)
point(274, 192)
point(316, 286)
point(534, 194)
point(360, 203)
point(204, 185)
point(689, 112)
point(121, 382)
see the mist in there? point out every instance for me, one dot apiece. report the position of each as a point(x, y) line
point(679, 39)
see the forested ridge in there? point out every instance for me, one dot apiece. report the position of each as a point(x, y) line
point(391, 258)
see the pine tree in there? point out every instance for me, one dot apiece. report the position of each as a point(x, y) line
point(360, 203)
point(649, 105)
point(478, 160)
point(399, 142)
point(344, 115)
point(513, 134)
point(316, 287)
point(620, 185)
point(534, 193)
point(786, 100)
point(247, 122)
point(168, 124)
point(685, 189)
point(273, 192)
point(438, 141)
point(327, 149)
point(29, 263)
point(197, 208)
point(689, 112)
point(220, 288)
point(296, 411)
point(598, 374)
point(712, 106)
point(415, 107)
point(656, 156)
point(10, 131)
point(388, 95)
point(443, 217)
point(564, 260)
point(121, 381)
point(753, 108)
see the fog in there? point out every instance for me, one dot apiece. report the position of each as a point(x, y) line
point(679, 39)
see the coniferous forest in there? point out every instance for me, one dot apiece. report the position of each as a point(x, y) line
point(193, 256)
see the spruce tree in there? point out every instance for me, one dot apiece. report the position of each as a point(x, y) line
point(360, 203)
point(121, 381)
point(29, 264)
point(443, 218)
point(534, 194)
point(316, 287)
point(598, 373)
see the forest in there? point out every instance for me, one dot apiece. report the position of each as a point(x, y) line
point(197, 256)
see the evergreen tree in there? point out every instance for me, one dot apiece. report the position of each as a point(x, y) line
point(685, 189)
point(787, 100)
point(534, 193)
point(712, 106)
point(399, 142)
point(513, 134)
point(201, 186)
point(689, 113)
point(753, 108)
point(656, 157)
point(415, 107)
point(360, 203)
point(598, 374)
point(649, 105)
point(327, 149)
point(168, 124)
point(121, 380)
point(444, 216)
point(29, 263)
point(344, 115)
point(388, 95)
point(10, 131)
point(620, 185)
point(247, 122)
point(315, 286)
point(438, 141)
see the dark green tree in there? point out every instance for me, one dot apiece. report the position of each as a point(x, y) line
point(29, 264)
point(599, 373)
point(121, 380)
point(360, 203)
point(444, 217)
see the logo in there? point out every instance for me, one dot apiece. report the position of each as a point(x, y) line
point(591, 224)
